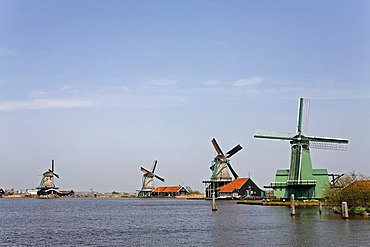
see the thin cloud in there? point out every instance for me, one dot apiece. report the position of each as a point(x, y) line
point(6, 52)
point(321, 89)
point(248, 81)
point(163, 82)
point(36, 104)
point(210, 83)
point(125, 89)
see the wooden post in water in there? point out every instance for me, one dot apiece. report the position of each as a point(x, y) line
point(292, 205)
point(344, 210)
point(320, 208)
point(214, 207)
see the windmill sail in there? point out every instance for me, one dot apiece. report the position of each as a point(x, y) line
point(303, 115)
point(217, 147)
point(154, 165)
point(265, 134)
point(331, 144)
point(233, 151)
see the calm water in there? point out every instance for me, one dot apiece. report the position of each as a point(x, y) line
point(170, 222)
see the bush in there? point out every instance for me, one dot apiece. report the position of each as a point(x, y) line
point(194, 192)
point(357, 210)
point(353, 194)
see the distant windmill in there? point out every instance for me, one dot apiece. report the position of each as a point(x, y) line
point(301, 179)
point(220, 168)
point(47, 185)
point(221, 163)
point(148, 180)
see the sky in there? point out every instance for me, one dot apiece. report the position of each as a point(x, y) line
point(104, 87)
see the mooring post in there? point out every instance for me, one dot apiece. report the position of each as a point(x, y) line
point(214, 207)
point(292, 205)
point(320, 208)
point(344, 210)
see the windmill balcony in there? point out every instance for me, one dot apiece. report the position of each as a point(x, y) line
point(291, 183)
point(302, 182)
point(276, 185)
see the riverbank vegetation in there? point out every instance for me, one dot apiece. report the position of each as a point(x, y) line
point(353, 188)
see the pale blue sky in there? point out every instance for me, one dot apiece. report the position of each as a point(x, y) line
point(104, 87)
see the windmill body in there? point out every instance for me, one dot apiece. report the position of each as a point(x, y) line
point(147, 186)
point(148, 182)
point(301, 179)
point(47, 185)
point(221, 168)
point(47, 181)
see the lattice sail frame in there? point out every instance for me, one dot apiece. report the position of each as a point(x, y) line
point(329, 145)
point(305, 115)
point(279, 135)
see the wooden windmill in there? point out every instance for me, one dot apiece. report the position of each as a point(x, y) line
point(301, 179)
point(47, 185)
point(148, 180)
point(220, 168)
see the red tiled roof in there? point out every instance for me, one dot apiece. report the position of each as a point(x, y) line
point(361, 184)
point(167, 189)
point(233, 185)
point(158, 189)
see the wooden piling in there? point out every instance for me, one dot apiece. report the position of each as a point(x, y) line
point(345, 210)
point(214, 207)
point(292, 205)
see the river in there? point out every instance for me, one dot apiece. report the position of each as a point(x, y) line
point(171, 222)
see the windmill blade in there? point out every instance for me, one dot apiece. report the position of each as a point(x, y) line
point(52, 165)
point(328, 143)
point(154, 165)
point(144, 170)
point(54, 173)
point(232, 170)
point(335, 178)
point(233, 151)
point(217, 147)
point(264, 134)
point(303, 115)
point(160, 178)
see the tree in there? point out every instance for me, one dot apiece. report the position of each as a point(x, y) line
point(353, 188)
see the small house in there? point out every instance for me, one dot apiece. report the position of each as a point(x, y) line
point(240, 188)
point(169, 191)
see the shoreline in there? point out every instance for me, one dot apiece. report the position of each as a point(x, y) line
point(107, 195)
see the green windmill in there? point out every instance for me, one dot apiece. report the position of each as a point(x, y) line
point(301, 179)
